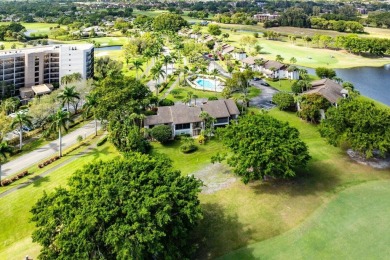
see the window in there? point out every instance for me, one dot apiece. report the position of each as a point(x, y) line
point(182, 126)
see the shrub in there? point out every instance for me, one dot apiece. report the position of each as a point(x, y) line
point(283, 100)
point(212, 98)
point(166, 102)
point(188, 145)
point(162, 133)
point(102, 141)
point(6, 182)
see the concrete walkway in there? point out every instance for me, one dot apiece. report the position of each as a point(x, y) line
point(44, 174)
point(51, 149)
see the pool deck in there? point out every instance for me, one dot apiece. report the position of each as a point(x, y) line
point(195, 85)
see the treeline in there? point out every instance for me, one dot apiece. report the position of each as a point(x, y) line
point(236, 18)
point(379, 19)
point(352, 43)
point(336, 25)
point(12, 30)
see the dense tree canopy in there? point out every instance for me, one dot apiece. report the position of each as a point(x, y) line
point(359, 124)
point(168, 22)
point(310, 106)
point(134, 208)
point(263, 146)
point(283, 100)
point(118, 97)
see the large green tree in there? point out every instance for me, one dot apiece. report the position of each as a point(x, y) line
point(359, 124)
point(168, 22)
point(134, 208)
point(283, 100)
point(263, 146)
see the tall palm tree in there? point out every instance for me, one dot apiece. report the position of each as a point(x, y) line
point(90, 105)
point(4, 150)
point(137, 64)
point(157, 72)
point(166, 60)
point(174, 58)
point(215, 72)
point(68, 95)
point(59, 122)
point(21, 119)
point(185, 72)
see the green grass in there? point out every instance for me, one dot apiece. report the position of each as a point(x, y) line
point(15, 228)
point(352, 226)
point(241, 215)
point(188, 163)
point(307, 56)
point(200, 93)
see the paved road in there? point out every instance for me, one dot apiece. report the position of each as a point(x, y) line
point(48, 150)
point(264, 99)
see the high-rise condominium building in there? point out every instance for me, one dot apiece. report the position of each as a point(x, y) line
point(47, 64)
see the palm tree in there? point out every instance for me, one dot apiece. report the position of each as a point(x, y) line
point(185, 72)
point(59, 122)
point(4, 150)
point(21, 119)
point(68, 95)
point(174, 58)
point(215, 72)
point(293, 60)
point(166, 60)
point(90, 105)
point(157, 72)
point(279, 58)
point(230, 69)
point(137, 64)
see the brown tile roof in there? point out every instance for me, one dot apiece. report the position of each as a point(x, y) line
point(180, 114)
point(327, 88)
point(249, 60)
point(227, 49)
point(275, 64)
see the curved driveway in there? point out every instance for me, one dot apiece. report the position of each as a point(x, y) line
point(46, 151)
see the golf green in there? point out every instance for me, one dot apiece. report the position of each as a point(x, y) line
point(354, 225)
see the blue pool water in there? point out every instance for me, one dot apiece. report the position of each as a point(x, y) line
point(206, 83)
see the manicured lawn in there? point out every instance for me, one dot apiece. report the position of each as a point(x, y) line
point(308, 56)
point(188, 163)
point(15, 228)
point(245, 214)
point(352, 226)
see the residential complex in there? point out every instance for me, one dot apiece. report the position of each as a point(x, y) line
point(47, 64)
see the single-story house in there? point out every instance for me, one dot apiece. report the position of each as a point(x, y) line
point(329, 89)
point(207, 38)
point(184, 119)
point(270, 68)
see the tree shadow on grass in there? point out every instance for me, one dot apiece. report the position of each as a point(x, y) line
point(219, 232)
point(96, 153)
point(39, 180)
point(317, 177)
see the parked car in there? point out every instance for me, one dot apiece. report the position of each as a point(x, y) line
point(256, 79)
point(264, 83)
point(26, 128)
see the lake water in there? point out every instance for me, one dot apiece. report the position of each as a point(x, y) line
point(370, 81)
point(109, 48)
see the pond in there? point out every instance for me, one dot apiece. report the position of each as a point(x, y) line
point(373, 82)
point(109, 48)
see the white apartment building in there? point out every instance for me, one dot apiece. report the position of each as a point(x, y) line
point(47, 64)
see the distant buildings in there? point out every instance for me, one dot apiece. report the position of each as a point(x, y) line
point(265, 17)
point(47, 64)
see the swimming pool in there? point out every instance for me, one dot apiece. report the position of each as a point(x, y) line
point(206, 83)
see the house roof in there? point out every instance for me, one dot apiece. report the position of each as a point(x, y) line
point(227, 49)
point(327, 88)
point(249, 60)
point(181, 114)
point(273, 64)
